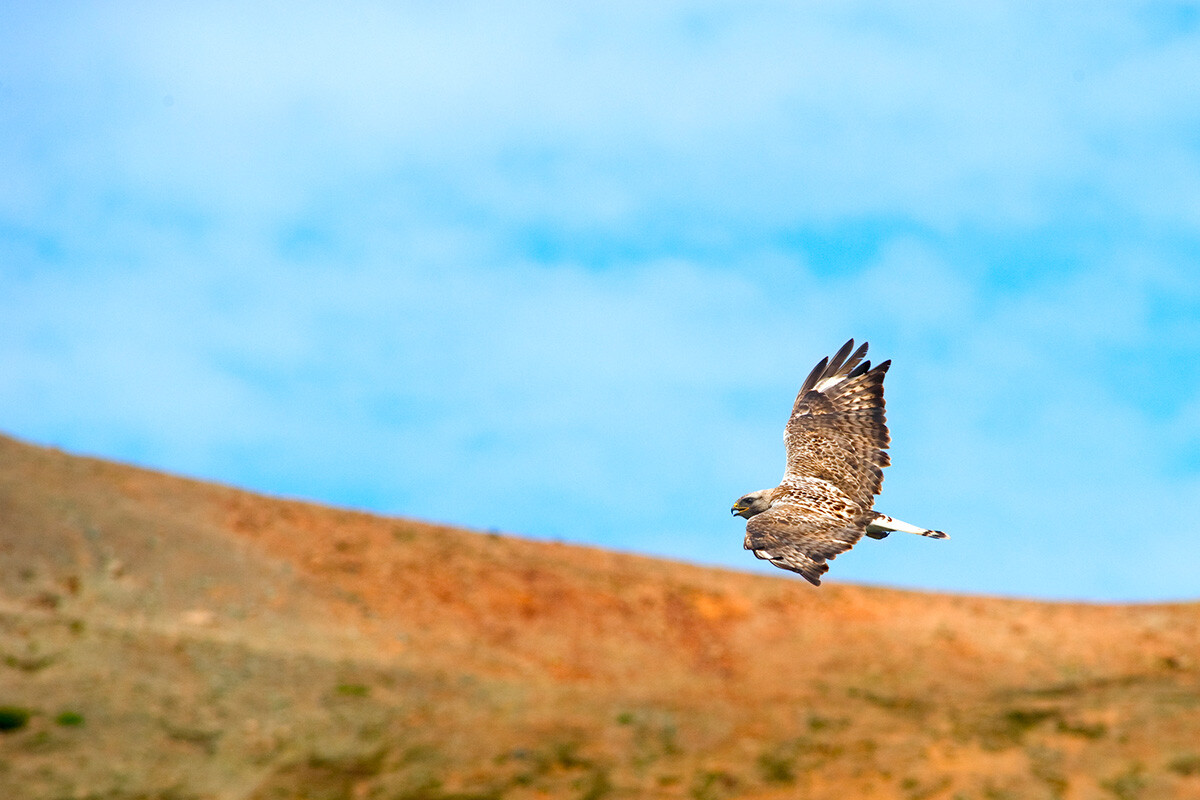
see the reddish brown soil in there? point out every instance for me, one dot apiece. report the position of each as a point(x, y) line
point(177, 639)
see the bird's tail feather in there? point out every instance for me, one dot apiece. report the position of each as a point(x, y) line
point(882, 525)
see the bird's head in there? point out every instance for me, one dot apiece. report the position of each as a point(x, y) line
point(750, 504)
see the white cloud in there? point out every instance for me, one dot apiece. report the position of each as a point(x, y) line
point(939, 115)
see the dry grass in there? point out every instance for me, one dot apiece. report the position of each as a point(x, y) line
point(164, 638)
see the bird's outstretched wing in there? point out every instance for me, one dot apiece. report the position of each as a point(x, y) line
point(838, 429)
point(800, 539)
point(836, 440)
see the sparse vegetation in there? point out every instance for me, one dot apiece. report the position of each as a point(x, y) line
point(918, 789)
point(1010, 727)
point(565, 753)
point(1022, 719)
point(596, 785)
point(439, 672)
point(205, 739)
point(1187, 765)
point(713, 785)
point(818, 723)
point(1094, 731)
point(1128, 785)
point(897, 704)
point(29, 663)
point(778, 765)
point(1047, 766)
point(13, 718)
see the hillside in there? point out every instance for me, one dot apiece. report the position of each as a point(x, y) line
point(176, 639)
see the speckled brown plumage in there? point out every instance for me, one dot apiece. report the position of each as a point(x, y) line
point(836, 440)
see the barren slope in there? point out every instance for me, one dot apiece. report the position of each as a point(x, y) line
point(178, 639)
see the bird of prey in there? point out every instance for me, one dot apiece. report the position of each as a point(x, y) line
point(836, 442)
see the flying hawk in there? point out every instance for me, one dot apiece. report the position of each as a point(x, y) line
point(836, 441)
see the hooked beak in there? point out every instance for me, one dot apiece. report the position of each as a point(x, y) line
point(737, 509)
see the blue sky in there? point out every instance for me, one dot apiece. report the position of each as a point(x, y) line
point(560, 272)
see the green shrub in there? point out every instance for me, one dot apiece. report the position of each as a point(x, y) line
point(1096, 731)
point(1128, 785)
point(13, 718)
point(1185, 765)
point(713, 785)
point(777, 766)
point(1020, 720)
point(597, 785)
